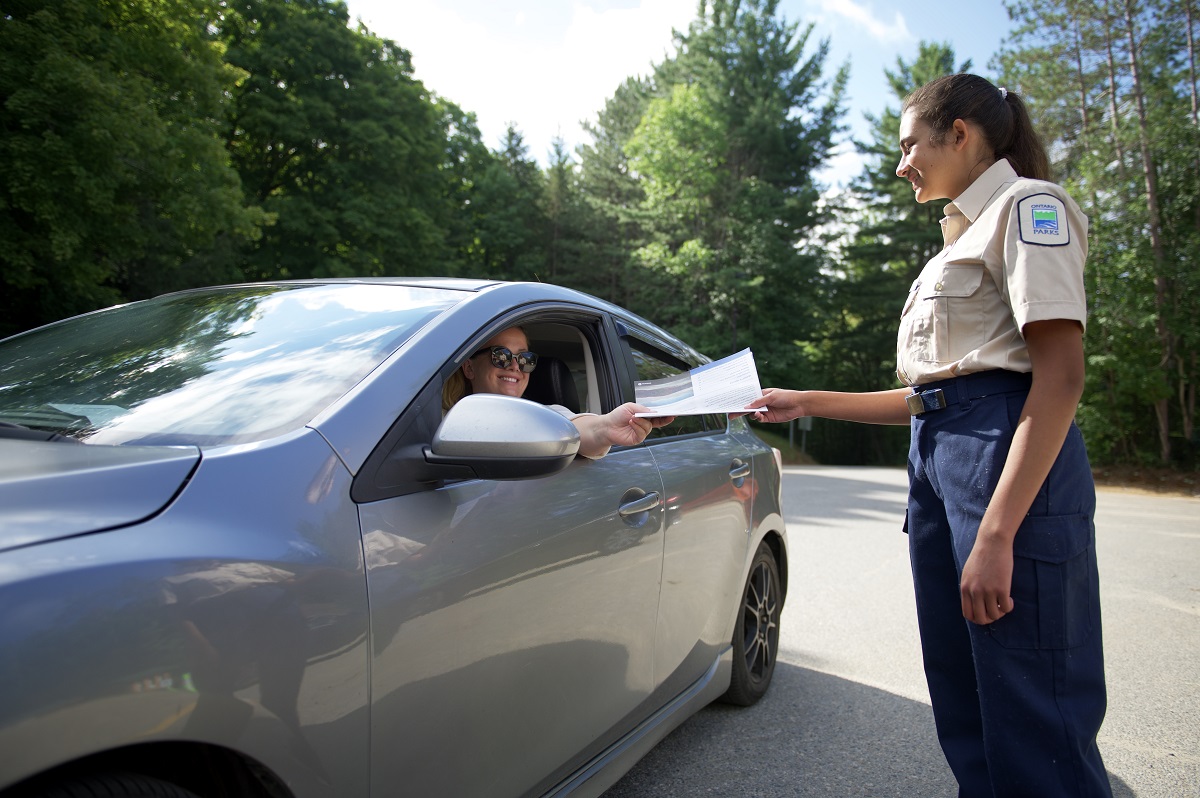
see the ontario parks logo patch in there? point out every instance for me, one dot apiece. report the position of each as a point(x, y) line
point(1045, 217)
point(1043, 220)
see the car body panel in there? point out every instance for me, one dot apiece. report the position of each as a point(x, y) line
point(55, 491)
point(555, 592)
point(237, 616)
point(708, 524)
point(348, 609)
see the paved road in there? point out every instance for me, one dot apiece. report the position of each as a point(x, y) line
point(848, 713)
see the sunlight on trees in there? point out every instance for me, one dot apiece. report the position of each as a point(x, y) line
point(153, 146)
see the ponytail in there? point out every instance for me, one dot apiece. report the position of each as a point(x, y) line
point(998, 112)
point(1025, 150)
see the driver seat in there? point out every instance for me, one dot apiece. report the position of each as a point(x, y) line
point(551, 383)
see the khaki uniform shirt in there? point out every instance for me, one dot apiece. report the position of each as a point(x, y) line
point(1014, 253)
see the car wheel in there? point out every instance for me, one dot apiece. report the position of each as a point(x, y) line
point(113, 785)
point(756, 635)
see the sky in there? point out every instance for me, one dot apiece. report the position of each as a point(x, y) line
point(544, 66)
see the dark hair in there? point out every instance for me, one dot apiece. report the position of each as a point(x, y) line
point(999, 113)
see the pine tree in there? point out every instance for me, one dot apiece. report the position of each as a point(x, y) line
point(738, 122)
point(1125, 140)
point(890, 239)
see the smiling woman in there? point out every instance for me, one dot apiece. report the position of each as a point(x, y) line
point(1001, 501)
point(503, 366)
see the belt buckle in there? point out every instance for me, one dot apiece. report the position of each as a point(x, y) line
point(925, 401)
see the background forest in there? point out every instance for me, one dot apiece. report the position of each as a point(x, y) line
point(153, 145)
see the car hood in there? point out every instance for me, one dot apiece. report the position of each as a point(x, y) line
point(51, 490)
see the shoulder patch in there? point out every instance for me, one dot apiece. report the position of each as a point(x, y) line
point(1042, 219)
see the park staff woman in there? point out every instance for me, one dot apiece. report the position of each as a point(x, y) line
point(1001, 499)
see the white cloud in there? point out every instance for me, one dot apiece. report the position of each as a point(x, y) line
point(599, 51)
point(534, 72)
point(863, 17)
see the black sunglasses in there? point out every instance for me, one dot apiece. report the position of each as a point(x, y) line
point(502, 356)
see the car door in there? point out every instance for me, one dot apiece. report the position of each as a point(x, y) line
point(709, 484)
point(512, 621)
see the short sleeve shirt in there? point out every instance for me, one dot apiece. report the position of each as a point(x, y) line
point(1015, 251)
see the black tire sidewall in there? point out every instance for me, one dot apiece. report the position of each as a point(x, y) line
point(744, 688)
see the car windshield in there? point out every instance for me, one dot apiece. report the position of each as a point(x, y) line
point(207, 367)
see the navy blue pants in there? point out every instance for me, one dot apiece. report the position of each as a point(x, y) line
point(1017, 702)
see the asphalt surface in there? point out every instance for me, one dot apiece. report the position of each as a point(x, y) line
point(848, 712)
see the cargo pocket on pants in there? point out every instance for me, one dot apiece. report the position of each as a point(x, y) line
point(1053, 587)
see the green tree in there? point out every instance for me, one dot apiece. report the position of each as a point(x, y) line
point(614, 203)
point(889, 240)
point(1124, 139)
point(115, 182)
point(567, 221)
point(334, 136)
point(464, 159)
point(740, 119)
point(509, 218)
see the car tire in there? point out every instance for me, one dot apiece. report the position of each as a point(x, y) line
point(113, 785)
point(756, 634)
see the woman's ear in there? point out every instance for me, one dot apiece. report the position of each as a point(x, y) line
point(961, 134)
point(468, 369)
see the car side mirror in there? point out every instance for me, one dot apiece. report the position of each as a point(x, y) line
point(484, 436)
point(490, 436)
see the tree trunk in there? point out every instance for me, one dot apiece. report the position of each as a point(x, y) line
point(1187, 397)
point(1077, 44)
point(1187, 386)
point(1191, 45)
point(1113, 113)
point(1154, 227)
point(1085, 127)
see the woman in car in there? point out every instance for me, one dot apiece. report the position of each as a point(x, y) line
point(1001, 499)
point(503, 366)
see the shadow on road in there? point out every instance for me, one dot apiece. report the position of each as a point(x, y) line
point(812, 499)
point(814, 735)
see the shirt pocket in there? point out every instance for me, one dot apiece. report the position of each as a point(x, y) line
point(943, 310)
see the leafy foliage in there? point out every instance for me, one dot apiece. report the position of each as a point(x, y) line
point(151, 145)
point(335, 139)
point(116, 181)
point(736, 125)
point(1111, 84)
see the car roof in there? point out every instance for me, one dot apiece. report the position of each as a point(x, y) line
point(527, 290)
point(450, 283)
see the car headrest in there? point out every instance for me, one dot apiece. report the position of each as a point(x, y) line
point(551, 383)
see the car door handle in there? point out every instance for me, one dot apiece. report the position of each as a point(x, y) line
point(739, 471)
point(641, 505)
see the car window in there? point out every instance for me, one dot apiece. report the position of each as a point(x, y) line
point(215, 366)
point(572, 339)
point(653, 364)
point(567, 353)
point(568, 348)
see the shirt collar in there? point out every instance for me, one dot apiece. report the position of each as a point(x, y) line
point(966, 207)
point(972, 202)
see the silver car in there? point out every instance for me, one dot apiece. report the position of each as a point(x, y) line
point(244, 552)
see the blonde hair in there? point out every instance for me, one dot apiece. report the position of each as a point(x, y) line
point(455, 388)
